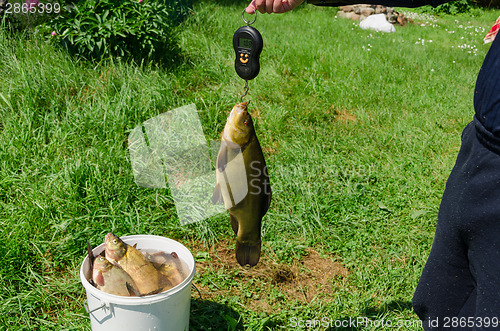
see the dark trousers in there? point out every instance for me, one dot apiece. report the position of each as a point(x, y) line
point(460, 285)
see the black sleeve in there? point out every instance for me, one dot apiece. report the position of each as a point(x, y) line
point(487, 91)
point(390, 3)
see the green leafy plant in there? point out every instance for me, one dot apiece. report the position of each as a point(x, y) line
point(455, 7)
point(130, 29)
point(450, 8)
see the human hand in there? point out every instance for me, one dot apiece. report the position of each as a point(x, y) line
point(272, 6)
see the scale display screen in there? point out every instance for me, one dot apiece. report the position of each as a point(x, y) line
point(245, 43)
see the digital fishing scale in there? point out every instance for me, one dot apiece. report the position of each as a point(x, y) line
point(247, 44)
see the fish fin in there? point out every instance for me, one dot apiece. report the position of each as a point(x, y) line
point(234, 223)
point(132, 290)
point(267, 183)
point(90, 255)
point(99, 279)
point(247, 253)
point(153, 292)
point(217, 195)
point(268, 202)
point(222, 157)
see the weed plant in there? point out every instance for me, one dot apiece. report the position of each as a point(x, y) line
point(131, 30)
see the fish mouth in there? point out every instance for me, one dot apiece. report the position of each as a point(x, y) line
point(241, 107)
point(108, 237)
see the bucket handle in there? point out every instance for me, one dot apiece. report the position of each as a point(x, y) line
point(85, 304)
point(107, 309)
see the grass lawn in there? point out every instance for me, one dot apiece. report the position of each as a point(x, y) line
point(360, 131)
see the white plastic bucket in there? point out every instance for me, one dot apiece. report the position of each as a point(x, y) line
point(164, 311)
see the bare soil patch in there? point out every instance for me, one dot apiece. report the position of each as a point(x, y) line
point(345, 116)
point(312, 277)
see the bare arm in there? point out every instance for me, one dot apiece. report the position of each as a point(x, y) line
point(272, 6)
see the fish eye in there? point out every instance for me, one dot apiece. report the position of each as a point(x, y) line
point(245, 123)
point(115, 241)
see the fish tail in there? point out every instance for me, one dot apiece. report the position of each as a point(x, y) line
point(247, 253)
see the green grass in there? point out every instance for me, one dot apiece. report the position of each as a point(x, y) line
point(361, 130)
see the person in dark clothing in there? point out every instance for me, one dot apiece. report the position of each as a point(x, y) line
point(461, 280)
point(460, 284)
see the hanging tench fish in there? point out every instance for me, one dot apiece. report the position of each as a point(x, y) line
point(243, 183)
point(112, 279)
point(134, 263)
